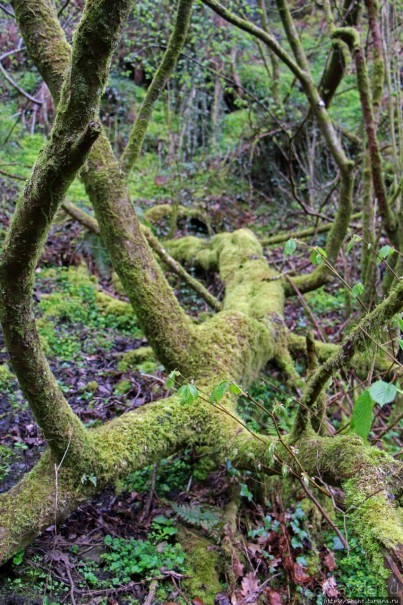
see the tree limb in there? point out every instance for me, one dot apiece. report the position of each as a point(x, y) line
point(72, 136)
point(91, 224)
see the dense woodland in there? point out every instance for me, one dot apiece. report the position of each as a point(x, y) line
point(201, 302)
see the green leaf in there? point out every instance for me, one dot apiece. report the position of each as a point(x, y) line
point(353, 240)
point(19, 557)
point(235, 388)
point(219, 391)
point(170, 381)
point(245, 492)
point(383, 392)
point(188, 393)
point(317, 255)
point(362, 414)
point(295, 543)
point(357, 289)
point(384, 252)
point(290, 247)
point(399, 322)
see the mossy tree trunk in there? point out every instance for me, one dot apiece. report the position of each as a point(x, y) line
point(235, 344)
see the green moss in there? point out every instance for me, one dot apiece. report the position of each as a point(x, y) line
point(122, 387)
point(376, 523)
point(76, 301)
point(118, 311)
point(132, 359)
point(204, 561)
point(6, 377)
point(91, 386)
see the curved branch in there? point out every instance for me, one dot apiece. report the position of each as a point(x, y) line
point(171, 55)
point(303, 233)
point(91, 224)
point(17, 87)
point(260, 34)
point(146, 435)
point(170, 334)
point(354, 343)
point(352, 38)
point(73, 134)
point(300, 67)
point(339, 55)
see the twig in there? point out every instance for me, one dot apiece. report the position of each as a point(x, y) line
point(324, 514)
point(17, 87)
point(12, 176)
point(92, 225)
point(306, 308)
point(150, 596)
point(150, 497)
point(8, 12)
point(389, 427)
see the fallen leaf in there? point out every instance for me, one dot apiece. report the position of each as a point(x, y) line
point(250, 588)
point(274, 598)
point(237, 566)
point(330, 561)
point(329, 587)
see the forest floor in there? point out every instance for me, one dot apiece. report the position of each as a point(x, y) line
point(123, 546)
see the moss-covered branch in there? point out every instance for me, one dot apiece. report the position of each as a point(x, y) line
point(166, 67)
point(350, 13)
point(45, 41)
point(157, 430)
point(164, 322)
point(72, 136)
point(352, 38)
point(302, 233)
point(260, 34)
point(162, 211)
point(91, 224)
point(354, 343)
point(301, 69)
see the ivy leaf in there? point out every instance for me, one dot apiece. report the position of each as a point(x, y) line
point(357, 289)
point(295, 543)
point(362, 414)
point(383, 392)
point(219, 391)
point(188, 393)
point(290, 247)
point(245, 492)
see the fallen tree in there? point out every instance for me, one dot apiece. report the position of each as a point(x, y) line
point(232, 346)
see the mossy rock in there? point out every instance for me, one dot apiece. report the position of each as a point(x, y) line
point(134, 359)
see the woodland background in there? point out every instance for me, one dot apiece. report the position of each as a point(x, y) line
point(230, 145)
